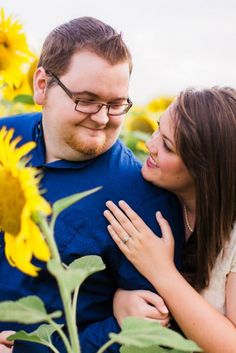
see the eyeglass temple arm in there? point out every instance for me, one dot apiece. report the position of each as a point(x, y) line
point(60, 83)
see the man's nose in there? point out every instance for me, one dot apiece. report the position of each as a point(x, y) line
point(102, 116)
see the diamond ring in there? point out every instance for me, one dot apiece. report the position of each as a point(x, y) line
point(126, 238)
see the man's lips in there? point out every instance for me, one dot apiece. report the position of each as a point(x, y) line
point(151, 163)
point(93, 128)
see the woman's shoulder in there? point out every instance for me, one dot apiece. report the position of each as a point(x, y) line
point(231, 249)
point(230, 246)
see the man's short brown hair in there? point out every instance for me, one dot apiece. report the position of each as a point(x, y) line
point(83, 33)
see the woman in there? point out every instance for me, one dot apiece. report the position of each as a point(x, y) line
point(193, 154)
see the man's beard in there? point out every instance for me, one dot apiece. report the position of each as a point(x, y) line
point(83, 147)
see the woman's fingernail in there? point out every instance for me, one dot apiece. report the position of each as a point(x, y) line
point(164, 310)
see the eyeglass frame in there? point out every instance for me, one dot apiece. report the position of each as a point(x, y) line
point(76, 100)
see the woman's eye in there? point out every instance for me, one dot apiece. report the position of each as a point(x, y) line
point(167, 148)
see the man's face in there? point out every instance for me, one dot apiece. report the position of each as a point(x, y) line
point(74, 135)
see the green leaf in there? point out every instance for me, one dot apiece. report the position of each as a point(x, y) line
point(75, 274)
point(151, 349)
point(24, 98)
point(143, 333)
point(42, 335)
point(64, 203)
point(28, 310)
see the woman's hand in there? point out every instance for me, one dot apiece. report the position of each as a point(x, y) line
point(140, 303)
point(5, 345)
point(151, 255)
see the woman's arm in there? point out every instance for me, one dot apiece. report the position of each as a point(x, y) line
point(231, 297)
point(153, 257)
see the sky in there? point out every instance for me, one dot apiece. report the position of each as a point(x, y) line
point(174, 44)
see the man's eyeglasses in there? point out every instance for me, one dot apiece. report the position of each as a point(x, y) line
point(92, 107)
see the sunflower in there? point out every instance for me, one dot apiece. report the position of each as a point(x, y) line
point(3, 110)
point(159, 104)
point(31, 71)
point(14, 50)
point(140, 119)
point(19, 200)
point(10, 92)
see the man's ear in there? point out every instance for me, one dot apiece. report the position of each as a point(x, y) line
point(40, 85)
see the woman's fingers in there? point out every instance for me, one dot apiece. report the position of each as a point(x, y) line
point(137, 221)
point(115, 224)
point(166, 231)
point(122, 245)
point(119, 220)
point(129, 219)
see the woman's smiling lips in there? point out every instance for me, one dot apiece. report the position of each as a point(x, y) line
point(151, 163)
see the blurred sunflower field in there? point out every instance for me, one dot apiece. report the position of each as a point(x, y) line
point(17, 65)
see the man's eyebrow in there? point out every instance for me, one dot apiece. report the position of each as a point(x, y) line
point(95, 96)
point(88, 93)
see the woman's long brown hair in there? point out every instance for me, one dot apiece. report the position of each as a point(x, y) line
point(206, 141)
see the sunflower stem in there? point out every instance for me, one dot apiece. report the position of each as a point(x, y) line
point(63, 336)
point(105, 346)
point(71, 323)
point(74, 302)
point(48, 232)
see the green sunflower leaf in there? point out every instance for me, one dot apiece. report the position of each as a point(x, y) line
point(66, 202)
point(75, 274)
point(41, 335)
point(28, 310)
point(24, 98)
point(141, 333)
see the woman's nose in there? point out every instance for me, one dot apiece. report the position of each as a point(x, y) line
point(152, 145)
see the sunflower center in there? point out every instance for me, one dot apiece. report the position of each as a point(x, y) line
point(4, 47)
point(11, 202)
point(3, 40)
point(142, 124)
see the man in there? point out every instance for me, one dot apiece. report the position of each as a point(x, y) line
point(82, 84)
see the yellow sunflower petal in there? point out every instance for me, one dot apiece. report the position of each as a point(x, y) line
point(14, 50)
point(140, 120)
point(9, 245)
point(25, 149)
point(39, 246)
point(21, 255)
point(19, 199)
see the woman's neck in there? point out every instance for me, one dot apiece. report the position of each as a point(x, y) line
point(188, 204)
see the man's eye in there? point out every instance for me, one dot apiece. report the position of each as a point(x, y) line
point(86, 103)
point(116, 106)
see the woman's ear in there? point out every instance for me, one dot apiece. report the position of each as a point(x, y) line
point(40, 85)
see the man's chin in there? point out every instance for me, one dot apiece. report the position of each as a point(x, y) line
point(90, 151)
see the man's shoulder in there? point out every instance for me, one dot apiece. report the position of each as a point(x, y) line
point(128, 176)
point(124, 157)
point(23, 124)
point(21, 120)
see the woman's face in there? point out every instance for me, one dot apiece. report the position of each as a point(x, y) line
point(164, 167)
